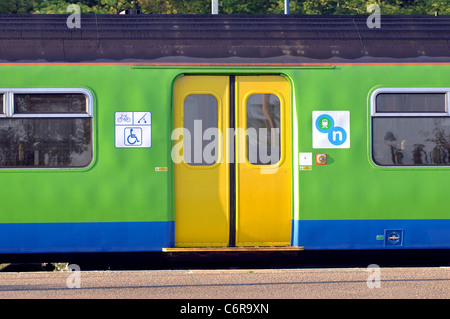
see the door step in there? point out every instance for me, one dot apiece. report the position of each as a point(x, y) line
point(232, 249)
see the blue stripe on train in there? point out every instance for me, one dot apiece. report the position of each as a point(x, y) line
point(372, 234)
point(152, 236)
point(85, 237)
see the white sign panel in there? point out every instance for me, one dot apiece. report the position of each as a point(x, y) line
point(305, 159)
point(331, 129)
point(133, 129)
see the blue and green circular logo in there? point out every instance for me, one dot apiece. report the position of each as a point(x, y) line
point(336, 134)
point(324, 123)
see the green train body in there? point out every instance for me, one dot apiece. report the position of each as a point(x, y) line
point(123, 200)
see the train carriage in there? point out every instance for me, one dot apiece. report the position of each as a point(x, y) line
point(142, 133)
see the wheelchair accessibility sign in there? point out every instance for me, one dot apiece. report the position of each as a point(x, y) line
point(331, 129)
point(133, 129)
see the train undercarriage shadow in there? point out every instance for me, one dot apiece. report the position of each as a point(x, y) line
point(230, 260)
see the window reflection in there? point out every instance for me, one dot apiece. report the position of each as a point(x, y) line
point(411, 141)
point(411, 102)
point(50, 103)
point(45, 142)
point(263, 129)
point(201, 119)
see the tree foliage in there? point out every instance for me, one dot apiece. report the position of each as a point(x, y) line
point(16, 6)
point(227, 6)
point(175, 6)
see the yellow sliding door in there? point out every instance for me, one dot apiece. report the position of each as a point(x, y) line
point(232, 154)
point(201, 174)
point(264, 161)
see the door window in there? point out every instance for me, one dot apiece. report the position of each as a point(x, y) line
point(201, 118)
point(263, 129)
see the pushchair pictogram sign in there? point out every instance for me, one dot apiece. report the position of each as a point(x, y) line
point(133, 129)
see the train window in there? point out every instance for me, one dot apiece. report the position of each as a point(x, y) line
point(1, 103)
point(263, 129)
point(411, 141)
point(46, 128)
point(411, 128)
point(201, 121)
point(50, 103)
point(411, 102)
point(45, 142)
